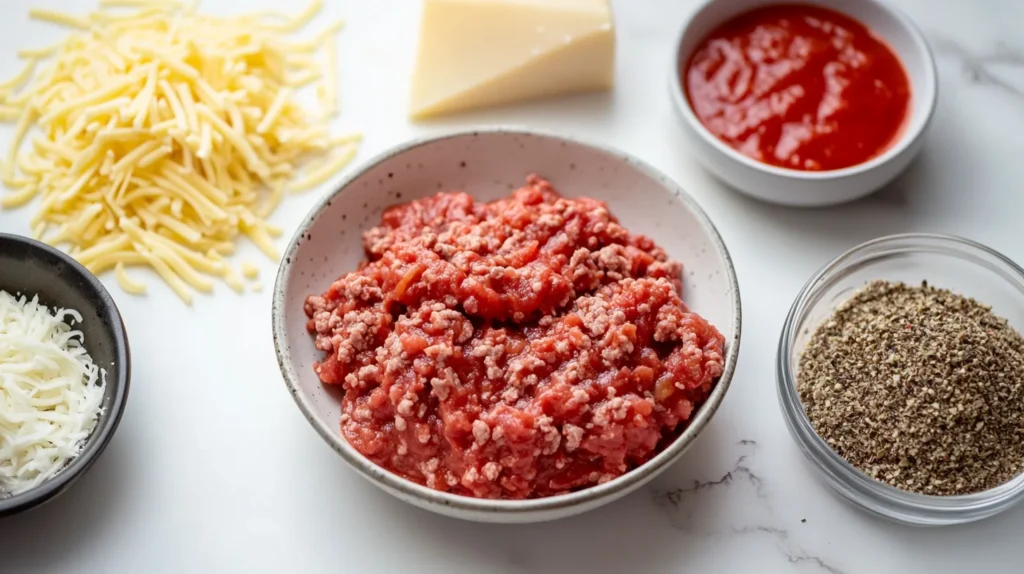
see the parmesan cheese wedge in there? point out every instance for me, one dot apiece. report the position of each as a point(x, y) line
point(478, 53)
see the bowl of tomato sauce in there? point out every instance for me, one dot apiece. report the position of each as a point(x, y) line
point(808, 104)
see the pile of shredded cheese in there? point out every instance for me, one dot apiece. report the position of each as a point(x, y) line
point(166, 134)
point(50, 392)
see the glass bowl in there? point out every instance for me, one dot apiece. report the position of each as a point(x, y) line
point(962, 266)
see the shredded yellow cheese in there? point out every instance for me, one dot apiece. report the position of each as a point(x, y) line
point(250, 271)
point(126, 282)
point(165, 135)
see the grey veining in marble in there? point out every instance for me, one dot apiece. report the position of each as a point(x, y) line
point(983, 68)
point(741, 480)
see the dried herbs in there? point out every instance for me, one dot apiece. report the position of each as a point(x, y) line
point(918, 387)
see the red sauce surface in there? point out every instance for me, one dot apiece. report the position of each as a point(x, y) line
point(515, 349)
point(799, 87)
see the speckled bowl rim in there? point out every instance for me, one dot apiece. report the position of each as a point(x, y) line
point(477, 505)
point(906, 139)
point(119, 380)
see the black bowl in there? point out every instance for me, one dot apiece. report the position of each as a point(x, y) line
point(32, 268)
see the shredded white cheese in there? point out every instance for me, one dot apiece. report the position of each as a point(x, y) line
point(50, 392)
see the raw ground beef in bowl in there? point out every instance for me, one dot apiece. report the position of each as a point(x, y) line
point(521, 348)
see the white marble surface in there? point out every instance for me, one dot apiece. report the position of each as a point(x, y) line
point(214, 469)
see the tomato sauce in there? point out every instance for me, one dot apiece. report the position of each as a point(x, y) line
point(799, 87)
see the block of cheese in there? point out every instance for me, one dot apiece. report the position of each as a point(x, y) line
point(479, 53)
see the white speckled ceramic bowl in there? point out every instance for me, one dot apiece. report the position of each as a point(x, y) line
point(489, 164)
point(808, 188)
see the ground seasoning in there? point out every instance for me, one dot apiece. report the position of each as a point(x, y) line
point(918, 387)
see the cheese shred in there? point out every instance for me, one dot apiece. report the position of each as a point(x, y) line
point(166, 135)
point(51, 392)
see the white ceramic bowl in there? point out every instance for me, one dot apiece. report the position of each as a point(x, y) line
point(803, 188)
point(489, 164)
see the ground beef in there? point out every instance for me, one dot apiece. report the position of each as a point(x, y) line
point(516, 349)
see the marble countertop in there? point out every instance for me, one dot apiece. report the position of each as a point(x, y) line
point(214, 469)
